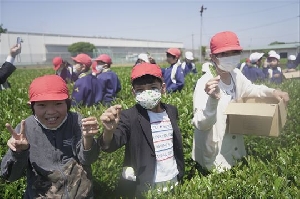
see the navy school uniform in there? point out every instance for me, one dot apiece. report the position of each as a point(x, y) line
point(276, 80)
point(109, 85)
point(68, 74)
point(291, 65)
point(188, 68)
point(253, 73)
point(86, 91)
point(265, 71)
point(174, 78)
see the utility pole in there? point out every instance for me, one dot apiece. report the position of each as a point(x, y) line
point(193, 44)
point(201, 11)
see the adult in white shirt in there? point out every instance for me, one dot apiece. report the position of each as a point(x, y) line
point(213, 146)
point(8, 67)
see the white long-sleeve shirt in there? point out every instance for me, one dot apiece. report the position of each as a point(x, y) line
point(213, 146)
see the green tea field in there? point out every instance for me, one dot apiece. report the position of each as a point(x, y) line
point(271, 169)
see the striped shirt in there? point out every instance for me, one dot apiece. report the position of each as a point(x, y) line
point(162, 133)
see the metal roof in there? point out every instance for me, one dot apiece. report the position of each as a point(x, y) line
point(274, 47)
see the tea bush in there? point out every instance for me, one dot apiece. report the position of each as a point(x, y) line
point(271, 169)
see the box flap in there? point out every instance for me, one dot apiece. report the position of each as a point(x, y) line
point(265, 100)
point(251, 109)
point(282, 112)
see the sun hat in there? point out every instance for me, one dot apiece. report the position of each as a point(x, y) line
point(189, 55)
point(254, 57)
point(292, 57)
point(48, 87)
point(275, 55)
point(144, 57)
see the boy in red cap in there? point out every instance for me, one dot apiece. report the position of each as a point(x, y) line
point(149, 131)
point(173, 75)
point(82, 64)
point(213, 145)
point(108, 81)
point(56, 147)
point(64, 70)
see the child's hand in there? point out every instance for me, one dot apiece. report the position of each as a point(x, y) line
point(90, 127)
point(111, 117)
point(18, 142)
point(212, 87)
point(277, 75)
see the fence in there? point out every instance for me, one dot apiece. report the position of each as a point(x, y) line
point(40, 60)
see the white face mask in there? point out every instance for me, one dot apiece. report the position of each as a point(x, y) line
point(229, 63)
point(45, 127)
point(148, 99)
point(99, 67)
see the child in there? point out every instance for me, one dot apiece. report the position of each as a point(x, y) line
point(188, 66)
point(64, 70)
point(142, 58)
point(291, 66)
point(108, 81)
point(213, 145)
point(86, 91)
point(149, 131)
point(54, 145)
point(252, 70)
point(275, 73)
point(173, 75)
point(82, 64)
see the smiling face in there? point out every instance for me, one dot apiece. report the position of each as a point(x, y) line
point(51, 113)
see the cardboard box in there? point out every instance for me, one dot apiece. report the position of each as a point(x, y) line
point(256, 116)
point(290, 75)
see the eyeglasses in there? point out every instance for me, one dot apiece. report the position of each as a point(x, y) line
point(228, 53)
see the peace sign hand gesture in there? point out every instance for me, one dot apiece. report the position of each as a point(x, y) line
point(18, 142)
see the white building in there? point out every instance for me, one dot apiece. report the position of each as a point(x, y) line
point(38, 48)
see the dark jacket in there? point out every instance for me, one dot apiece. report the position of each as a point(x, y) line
point(5, 71)
point(109, 85)
point(85, 91)
point(253, 73)
point(134, 131)
point(56, 164)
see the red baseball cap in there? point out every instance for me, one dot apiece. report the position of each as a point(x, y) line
point(83, 59)
point(57, 61)
point(146, 69)
point(174, 51)
point(224, 41)
point(104, 58)
point(48, 87)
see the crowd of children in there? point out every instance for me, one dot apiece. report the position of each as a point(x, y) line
point(54, 142)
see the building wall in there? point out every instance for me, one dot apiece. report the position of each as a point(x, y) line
point(41, 48)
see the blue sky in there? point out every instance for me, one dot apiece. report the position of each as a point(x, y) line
point(256, 22)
